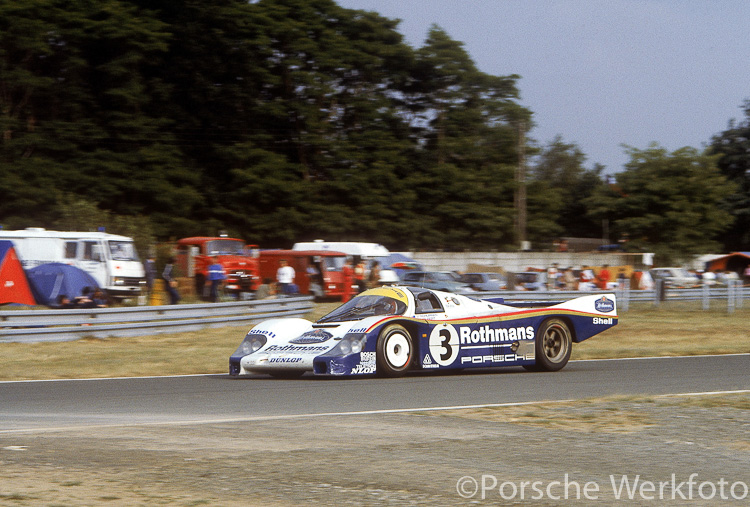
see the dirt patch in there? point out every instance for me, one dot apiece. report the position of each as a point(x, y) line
point(392, 459)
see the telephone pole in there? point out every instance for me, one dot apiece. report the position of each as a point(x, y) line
point(519, 198)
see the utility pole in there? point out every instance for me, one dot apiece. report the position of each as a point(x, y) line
point(519, 201)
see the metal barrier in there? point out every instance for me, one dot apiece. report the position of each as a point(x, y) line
point(734, 295)
point(72, 324)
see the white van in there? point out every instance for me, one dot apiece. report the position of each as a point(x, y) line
point(110, 259)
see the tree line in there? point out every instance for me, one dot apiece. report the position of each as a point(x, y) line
point(289, 120)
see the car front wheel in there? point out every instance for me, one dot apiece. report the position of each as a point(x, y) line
point(395, 350)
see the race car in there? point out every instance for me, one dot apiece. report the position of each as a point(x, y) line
point(391, 330)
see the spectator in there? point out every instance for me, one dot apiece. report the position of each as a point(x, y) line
point(373, 280)
point(84, 300)
point(569, 279)
point(216, 275)
point(64, 302)
point(603, 277)
point(586, 282)
point(348, 273)
point(552, 274)
point(170, 283)
point(359, 276)
point(746, 274)
point(285, 277)
point(99, 299)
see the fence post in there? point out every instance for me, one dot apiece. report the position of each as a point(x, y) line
point(731, 290)
point(706, 296)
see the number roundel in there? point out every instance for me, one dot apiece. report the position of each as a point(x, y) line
point(444, 346)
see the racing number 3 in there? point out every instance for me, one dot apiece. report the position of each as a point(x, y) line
point(444, 345)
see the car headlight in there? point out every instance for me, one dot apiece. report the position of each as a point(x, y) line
point(252, 343)
point(351, 343)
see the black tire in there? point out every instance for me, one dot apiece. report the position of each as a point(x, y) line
point(554, 343)
point(395, 351)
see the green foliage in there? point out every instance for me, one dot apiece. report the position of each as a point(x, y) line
point(733, 148)
point(276, 121)
point(668, 203)
point(558, 191)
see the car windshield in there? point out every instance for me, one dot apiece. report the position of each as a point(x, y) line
point(364, 306)
point(122, 251)
point(334, 263)
point(225, 246)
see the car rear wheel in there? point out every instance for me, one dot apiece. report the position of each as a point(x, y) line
point(553, 346)
point(395, 350)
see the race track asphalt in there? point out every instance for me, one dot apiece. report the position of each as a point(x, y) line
point(213, 398)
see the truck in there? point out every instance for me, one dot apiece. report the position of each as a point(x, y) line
point(317, 272)
point(240, 262)
point(110, 259)
point(358, 250)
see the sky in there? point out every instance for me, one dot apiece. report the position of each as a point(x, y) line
point(602, 74)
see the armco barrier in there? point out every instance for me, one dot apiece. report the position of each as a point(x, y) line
point(72, 324)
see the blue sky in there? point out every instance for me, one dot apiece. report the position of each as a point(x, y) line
point(603, 73)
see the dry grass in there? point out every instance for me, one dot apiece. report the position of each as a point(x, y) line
point(609, 414)
point(641, 332)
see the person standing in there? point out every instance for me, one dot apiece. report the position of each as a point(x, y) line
point(170, 282)
point(348, 273)
point(374, 277)
point(602, 278)
point(285, 277)
point(215, 276)
point(359, 276)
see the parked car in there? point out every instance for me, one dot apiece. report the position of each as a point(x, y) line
point(437, 280)
point(530, 280)
point(675, 277)
point(485, 281)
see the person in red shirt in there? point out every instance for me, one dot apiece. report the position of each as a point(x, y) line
point(348, 273)
point(602, 278)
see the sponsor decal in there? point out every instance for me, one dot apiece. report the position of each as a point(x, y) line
point(427, 362)
point(314, 336)
point(296, 348)
point(284, 359)
point(604, 305)
point(598, 320)
point(367, 363)
point(488, 334)
point(444, 346)
point(262, 332)
point(495, 358)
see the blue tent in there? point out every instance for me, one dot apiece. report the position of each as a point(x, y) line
point(49, 281)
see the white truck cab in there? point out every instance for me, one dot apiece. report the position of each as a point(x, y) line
point(110, 259)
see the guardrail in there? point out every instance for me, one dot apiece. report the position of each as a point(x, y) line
point(734, 295)
point(72, 324)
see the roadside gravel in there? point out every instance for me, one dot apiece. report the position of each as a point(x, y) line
point(401, 459)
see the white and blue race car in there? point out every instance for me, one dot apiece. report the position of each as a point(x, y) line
point(391, 330)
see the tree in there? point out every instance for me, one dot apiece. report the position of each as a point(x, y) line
point(667, 203)
point(733, 148)
point(560, 187)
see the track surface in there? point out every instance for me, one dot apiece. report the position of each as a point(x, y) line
point(206, 398)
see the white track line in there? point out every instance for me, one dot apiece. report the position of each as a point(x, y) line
point(230, 420)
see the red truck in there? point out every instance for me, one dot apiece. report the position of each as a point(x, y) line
point(317, 272)
point(240, 262)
